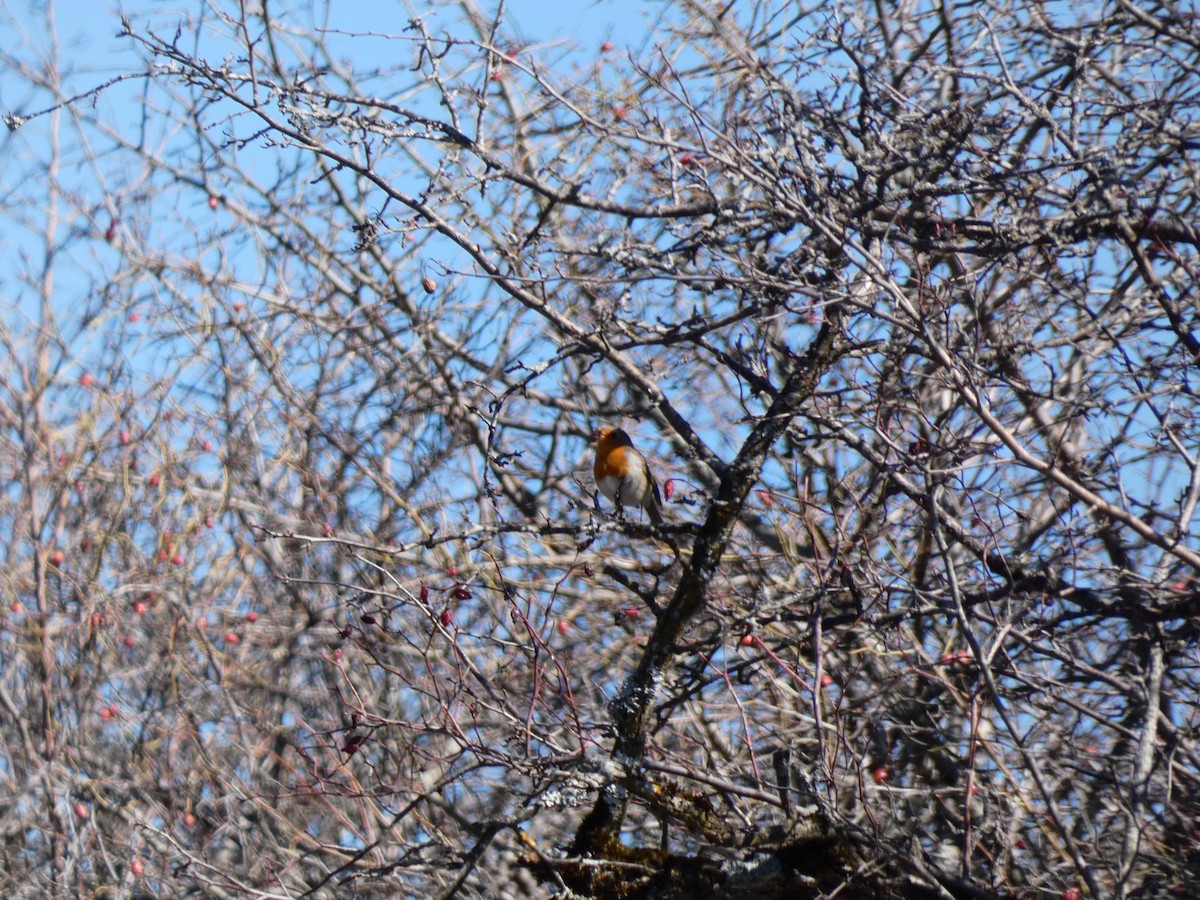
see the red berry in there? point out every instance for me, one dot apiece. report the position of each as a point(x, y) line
point(154, 480)
point(124, 437)
point(137, 868)
point(882, 774)
point(139, 607)
point(206, 445)
point(619, 113)
point(1072, 893)
point(128, 640)
point(189, 820)
point(766, 498)
point(81, 811)
point(748, 640)
point(669, 488)
point(564, 626)
point(57, 558)
point(231, 638)
point(213, 202)
point(135, 316)
point(252, 617)
point(461, 593)
point(208, 522)
point(424, 593)
point(87, 380)
point(606, 47)
point(445, 618)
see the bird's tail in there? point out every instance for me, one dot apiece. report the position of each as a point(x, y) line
point(653, 506)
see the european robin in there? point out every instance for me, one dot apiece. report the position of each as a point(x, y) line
point(622, 474)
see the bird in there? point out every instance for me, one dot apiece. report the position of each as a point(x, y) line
point(623, 475)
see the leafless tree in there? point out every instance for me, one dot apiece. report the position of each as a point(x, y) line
point(310, 592)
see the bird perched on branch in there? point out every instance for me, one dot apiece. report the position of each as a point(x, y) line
point(622, 474)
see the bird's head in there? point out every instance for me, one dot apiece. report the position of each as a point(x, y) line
point(606, 438)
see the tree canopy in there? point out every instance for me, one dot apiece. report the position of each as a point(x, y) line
point(309, 323)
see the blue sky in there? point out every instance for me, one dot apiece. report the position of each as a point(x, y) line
point(90, 28)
